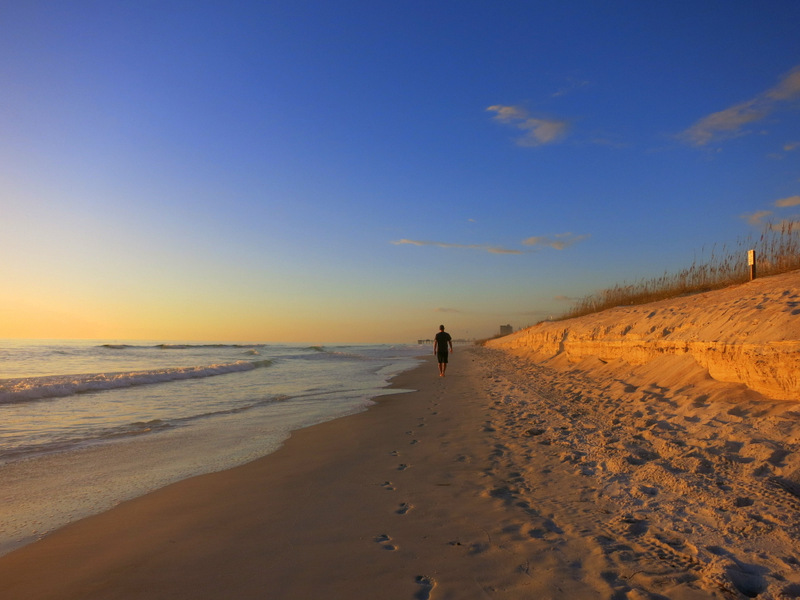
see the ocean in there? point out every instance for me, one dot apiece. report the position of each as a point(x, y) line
point(85, 425)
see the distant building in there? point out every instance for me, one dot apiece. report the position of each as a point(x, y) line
point(506, 330)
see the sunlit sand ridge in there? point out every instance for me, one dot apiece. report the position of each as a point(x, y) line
point(656, 407)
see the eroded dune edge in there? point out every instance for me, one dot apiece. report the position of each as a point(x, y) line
point(685, 415)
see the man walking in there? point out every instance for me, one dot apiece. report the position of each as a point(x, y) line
point(440, 344)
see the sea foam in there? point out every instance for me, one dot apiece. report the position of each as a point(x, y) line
point(58, 386)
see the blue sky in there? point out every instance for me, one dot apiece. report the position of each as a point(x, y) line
point(361, 171)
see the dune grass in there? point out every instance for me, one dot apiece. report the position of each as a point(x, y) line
point(777, 251)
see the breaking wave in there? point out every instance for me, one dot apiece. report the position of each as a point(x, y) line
point(59, 386)
point(180, 346)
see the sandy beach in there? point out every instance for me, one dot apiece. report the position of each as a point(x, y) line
point(516, 476)
point(406, 500)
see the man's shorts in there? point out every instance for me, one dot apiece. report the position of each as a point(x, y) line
point(442, 356)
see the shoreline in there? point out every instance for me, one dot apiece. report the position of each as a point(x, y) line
point(490, 482)
point(160, 544)
point(71, 456)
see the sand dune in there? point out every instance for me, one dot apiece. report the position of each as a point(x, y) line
point(746, 334)
point(701, 473)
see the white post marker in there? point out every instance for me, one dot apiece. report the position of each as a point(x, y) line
point(751, 262)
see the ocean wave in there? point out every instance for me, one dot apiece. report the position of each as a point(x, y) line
point(179, 346)
point(323, 353)
point(59, 386)
point(64, 443)
point(87, 437)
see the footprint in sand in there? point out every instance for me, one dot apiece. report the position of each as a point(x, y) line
point(426, 587)
point(387, 485)
point(403, 467)
point(635, 527)
point(385, 542)
point(404, 508)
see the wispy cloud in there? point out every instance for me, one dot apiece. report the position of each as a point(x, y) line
point(572, 85)
point(757, 218)
point(790, 201)
point(558, 241)
point(731, 121)
point(786, 148)
point(484, 247)
point(536, 131)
